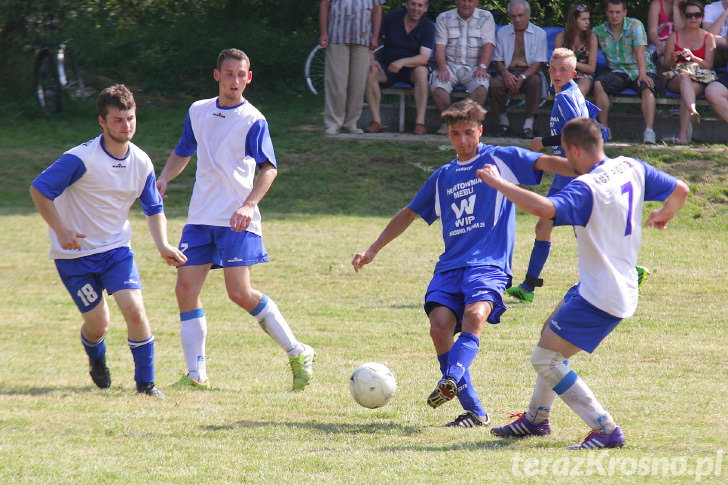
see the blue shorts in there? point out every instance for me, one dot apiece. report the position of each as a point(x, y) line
point(457, 288)
point(221, 246)
point(581, 323)
point(85, 278)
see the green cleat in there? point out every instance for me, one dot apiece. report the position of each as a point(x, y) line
point(187, 381)
point(302, 367)
point(519, 293)
point(642, 274)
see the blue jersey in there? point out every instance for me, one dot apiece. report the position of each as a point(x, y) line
point(478, 223)
point(568, 104)
point(605, 208)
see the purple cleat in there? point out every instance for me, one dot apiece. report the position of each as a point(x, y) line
point(596, 440)
point(522, 427)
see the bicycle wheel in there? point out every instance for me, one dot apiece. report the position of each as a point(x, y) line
point(47, 83)
point(74, 86)
point(315, 69)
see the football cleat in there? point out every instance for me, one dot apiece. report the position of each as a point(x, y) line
point(99, 372)
point(446, 389)
point(187, 381)
point(642, 274)
point(149, 389)
point(519, 293)
point(522, 427)
point(302, 367)
point(469, 420)
point(595, 440)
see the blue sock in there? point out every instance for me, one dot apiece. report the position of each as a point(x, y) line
point(539, 255)
point(467, 396)
point(442, 359)
point(461, 355)
point(94, 351)
point(143, 353)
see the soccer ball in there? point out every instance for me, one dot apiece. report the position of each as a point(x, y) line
point(372, 385)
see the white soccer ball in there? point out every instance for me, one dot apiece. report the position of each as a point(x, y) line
point(372, 385)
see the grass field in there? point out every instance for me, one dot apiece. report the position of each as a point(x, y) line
point(662, 374)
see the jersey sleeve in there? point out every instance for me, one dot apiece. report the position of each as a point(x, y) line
point(573, 204)
point(187, 145)
point(61, 174)
point(567, 110)
point(151, 199)
point(658, 184)
point(425, 201)
point(259, 145)
point(516, 165)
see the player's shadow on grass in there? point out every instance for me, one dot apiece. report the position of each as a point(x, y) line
point(39, 391)
point(490, 443)
point(327, 428)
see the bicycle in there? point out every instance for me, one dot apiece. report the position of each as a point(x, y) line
point(315, 69)
point(56, 70)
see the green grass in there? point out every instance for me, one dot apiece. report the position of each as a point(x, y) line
point(662, 373)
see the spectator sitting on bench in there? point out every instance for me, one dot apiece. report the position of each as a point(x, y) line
point(408, 36)
point(717, 94)
point(520, 54)
point(623, 41)
point(578, 37)
point(688, 64)
point(663, 18)
point(464, 43)
point(715, 21)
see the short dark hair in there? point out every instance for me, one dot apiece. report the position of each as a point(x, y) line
point(615, 2)
point(232, 54)
point(582, 132)
point(117, 96)
point(465, 110)
point(692, 3)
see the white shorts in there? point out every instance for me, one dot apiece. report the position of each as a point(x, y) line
point(459, 75)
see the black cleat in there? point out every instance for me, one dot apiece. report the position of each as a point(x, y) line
point(99, 372)
point(149, 389)
point(469, 420)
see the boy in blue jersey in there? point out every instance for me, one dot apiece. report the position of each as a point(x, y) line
point(478, 228)
point(604, 204)
point(231, 140)
point(85, 198)
point(569, 103)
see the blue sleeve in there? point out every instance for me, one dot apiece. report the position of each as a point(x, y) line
point(63, 173)
point(573, 204)
point(187, 145)
point(564, 110)
point(259, 145)
point(424, 202)
point(150, 199)
point(520, 163)
point(658, 184)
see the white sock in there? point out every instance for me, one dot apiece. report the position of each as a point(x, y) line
point(193, 331)
point(503, 119)
point(528, 123)
point(542, 400)
point(271, 320)
point(582, 401)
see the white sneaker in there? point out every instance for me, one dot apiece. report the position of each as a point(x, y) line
point(353, 130)
point(649, 136)
point(332, 131)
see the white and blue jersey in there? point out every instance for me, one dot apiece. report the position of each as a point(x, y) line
point(568, 104)
point(93, 192)
point(478, 222)
point(605, 208)
point(230, 143)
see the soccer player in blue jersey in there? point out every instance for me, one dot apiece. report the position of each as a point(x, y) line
point(569, 103)
point(223, 230)
point(478, 228)
point(85, 197)
point(604, 204)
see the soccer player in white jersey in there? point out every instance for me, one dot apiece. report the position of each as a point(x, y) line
point(85, 198)
point(223, 230)
point(478, 228)
point(604, 204)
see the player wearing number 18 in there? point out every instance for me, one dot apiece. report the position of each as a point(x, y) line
point(85, 197)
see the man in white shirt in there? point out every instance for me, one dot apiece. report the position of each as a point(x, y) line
point(715, 21)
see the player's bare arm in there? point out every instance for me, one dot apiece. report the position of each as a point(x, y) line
point(174, 166)
point(157, 225)
point(530, 202)
point(660, 217)
point(397, 225)
point(240, 220)
point(67, 238)
point(555, 164)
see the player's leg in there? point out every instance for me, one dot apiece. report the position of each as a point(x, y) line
point(93, 332)
point(539, 254)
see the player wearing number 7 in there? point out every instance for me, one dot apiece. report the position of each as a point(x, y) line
point(604, 204)
point(85, 197)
